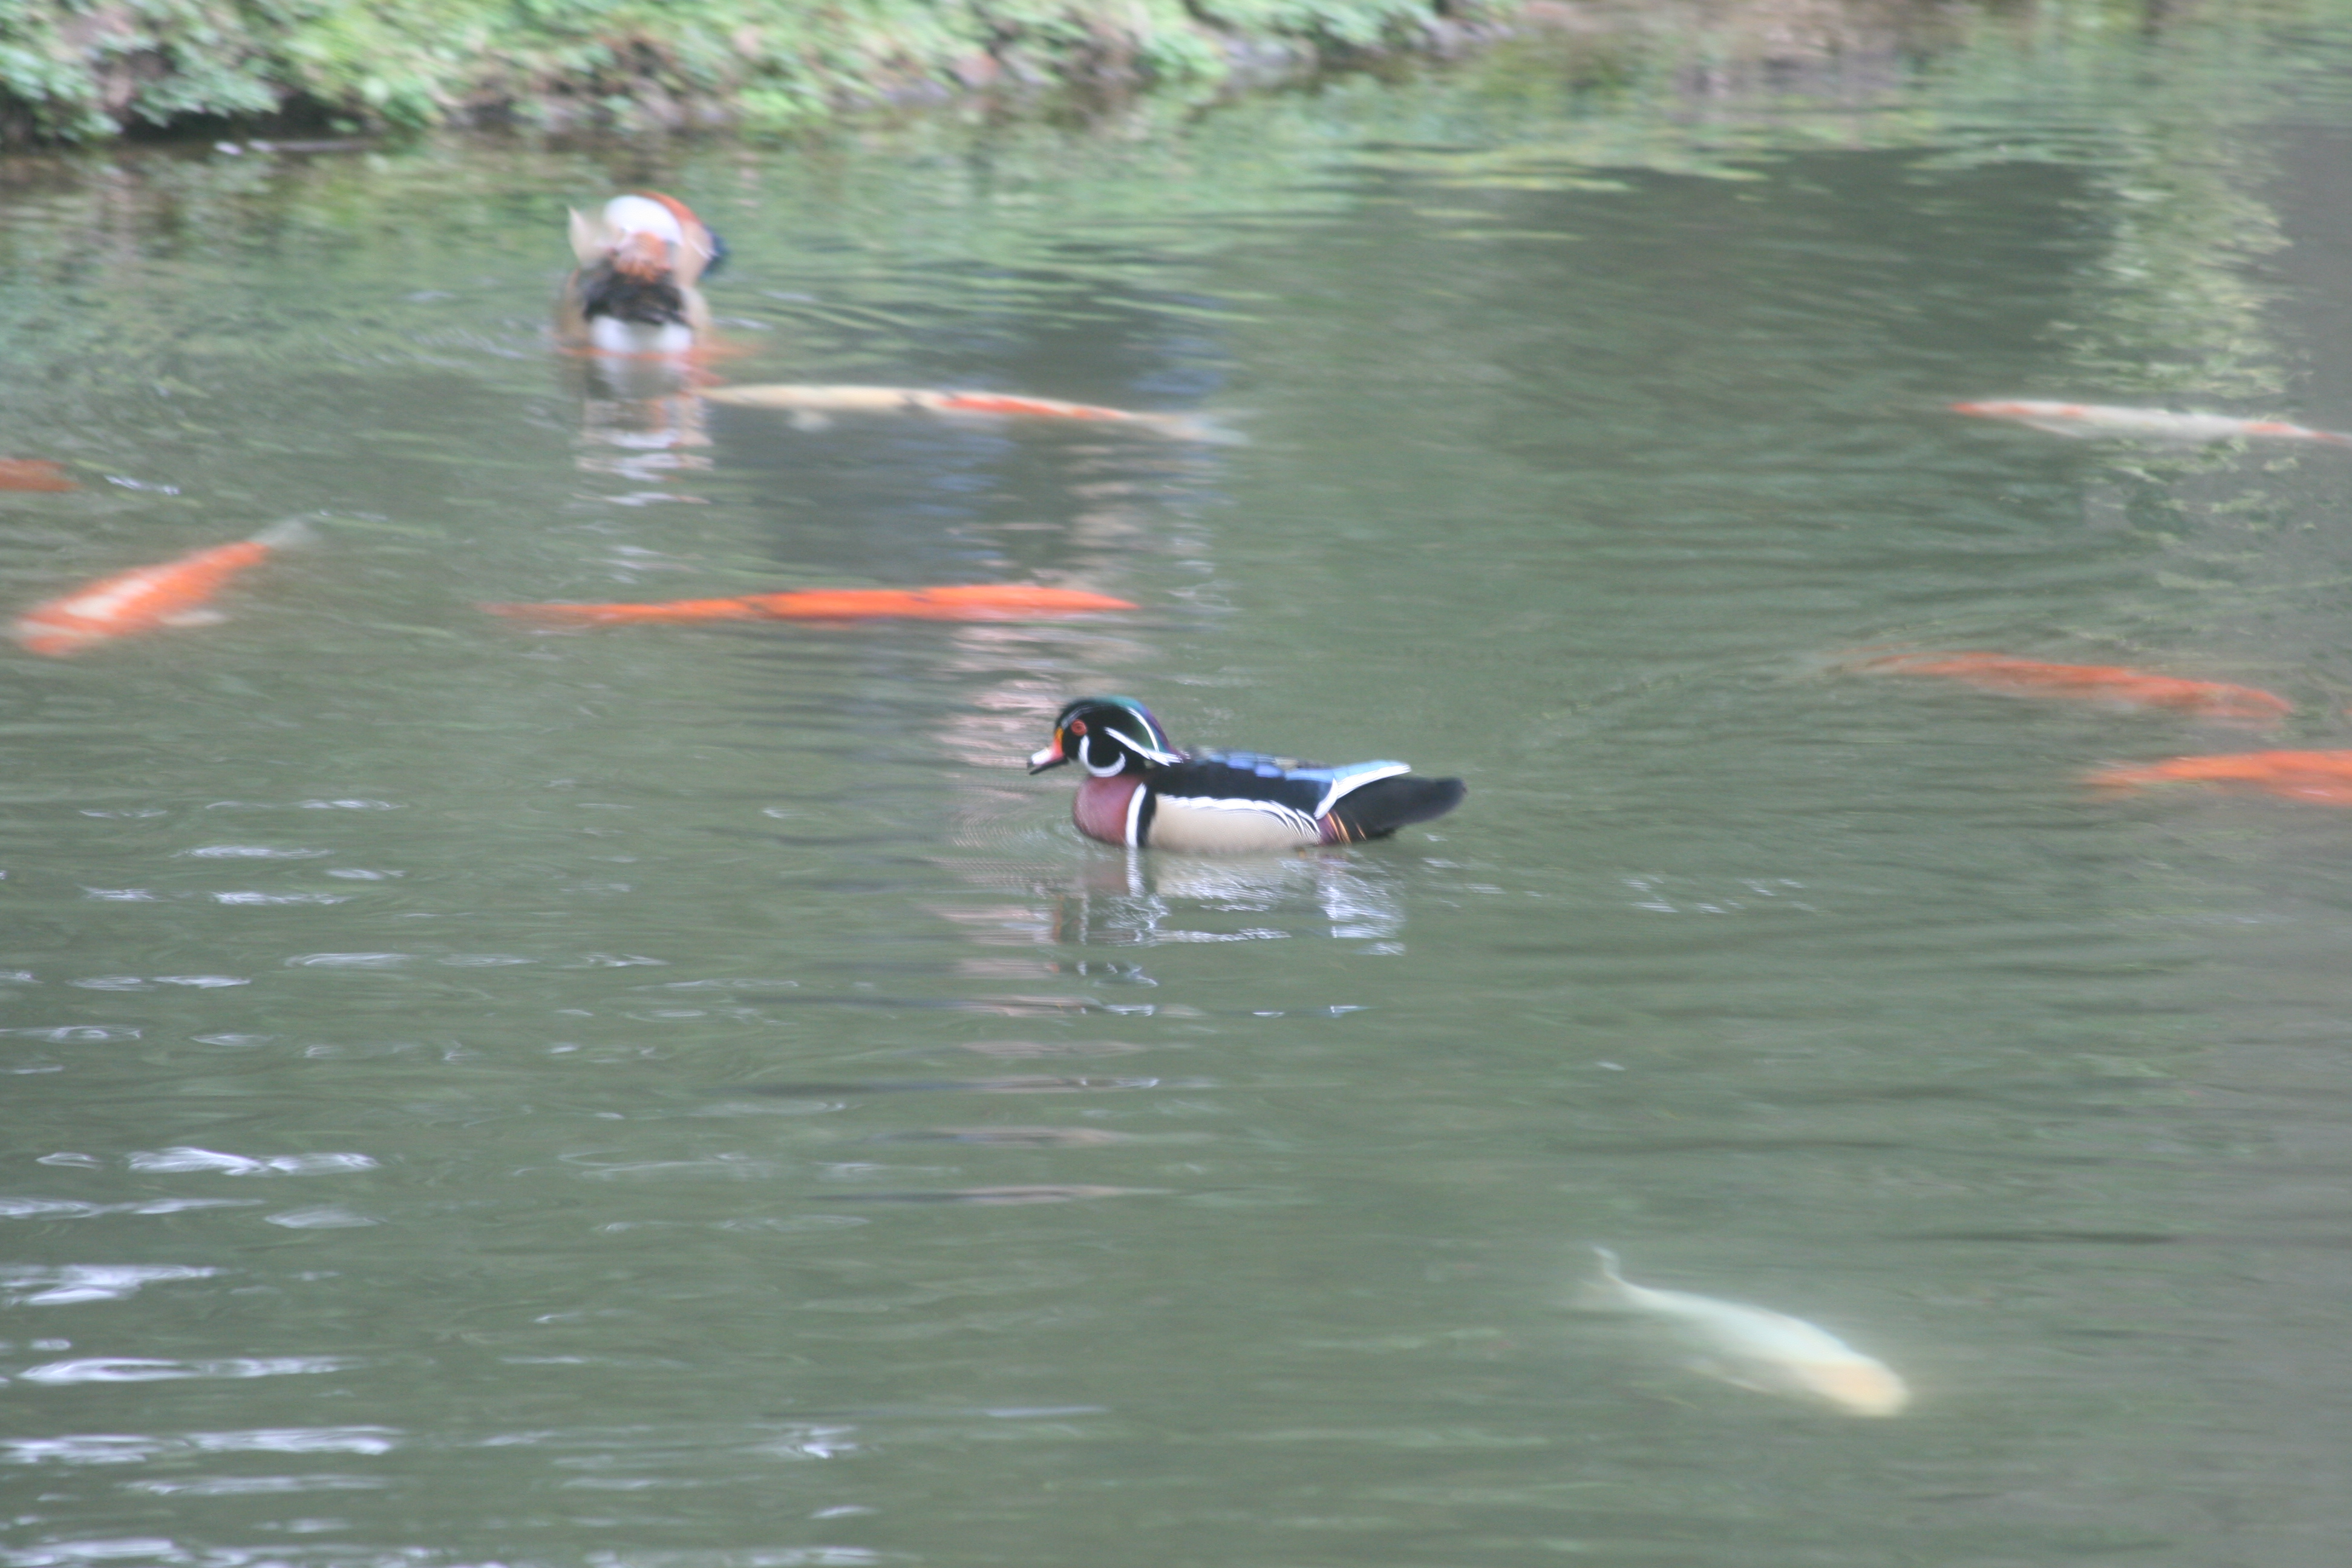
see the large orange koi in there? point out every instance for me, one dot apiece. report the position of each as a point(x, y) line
point(34, 474)
point(2325, 777)
point(815, 399)
point(2091, 682)
point(962, 602)
point(173, 594)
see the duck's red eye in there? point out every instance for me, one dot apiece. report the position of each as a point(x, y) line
point(1077, 726)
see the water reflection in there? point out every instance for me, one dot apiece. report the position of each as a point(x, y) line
point(676, 1005)
point(1137, 899)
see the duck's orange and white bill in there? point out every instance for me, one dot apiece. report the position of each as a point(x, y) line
point(146, 598)
point(1755, 1347)
point(962, 602)
point(2082, 420)
point(2323, 778)
point(2110, 683)
point(818, 399)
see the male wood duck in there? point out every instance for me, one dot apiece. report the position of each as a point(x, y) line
point(634, 291)
point(1141, 792)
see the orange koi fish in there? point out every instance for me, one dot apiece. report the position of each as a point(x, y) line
point(2154, 424)
point(2092, 682)
point(963, 602)
point(146, 597)
point(2325, 777)
point(34, 474)
point(913, 400)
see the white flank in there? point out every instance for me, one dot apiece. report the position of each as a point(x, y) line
point(1218, 825)
point(1755, 1347)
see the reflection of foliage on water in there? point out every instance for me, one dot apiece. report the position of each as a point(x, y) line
point(2172, 310)
point(2150, 107)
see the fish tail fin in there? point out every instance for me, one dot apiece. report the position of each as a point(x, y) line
point(1605, 1293)
point(281, 535)
point(1198, 427)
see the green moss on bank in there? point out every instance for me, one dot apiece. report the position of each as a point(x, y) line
point(77, 69)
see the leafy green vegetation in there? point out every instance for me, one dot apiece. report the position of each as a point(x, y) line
point(76, 70)
point(81, 69)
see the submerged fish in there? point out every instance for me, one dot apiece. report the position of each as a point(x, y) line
point(34, 474)
point(2325, 777)
point(1032, 1194)
point(2092, 682)
point(1756, 1348)
point(172, 594)
point(2155, 424)
point(815, 399)
point(962, 602)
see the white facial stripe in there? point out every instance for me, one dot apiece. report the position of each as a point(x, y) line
point(1149, 754)
point(1087, 761)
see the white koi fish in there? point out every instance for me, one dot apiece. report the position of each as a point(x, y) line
point(2085, 419)
point(1756, 1348)
point(806, 401)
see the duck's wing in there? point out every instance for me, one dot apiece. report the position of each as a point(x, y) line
point(1245, 775)
point(1362, 800)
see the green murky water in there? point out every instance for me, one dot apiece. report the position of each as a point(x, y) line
point(682, 1097)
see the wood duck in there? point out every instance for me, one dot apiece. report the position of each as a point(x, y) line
point(634, 291)
point(1141, 792)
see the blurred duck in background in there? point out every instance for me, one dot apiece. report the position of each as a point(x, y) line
point(634, 291)
point(639, 330)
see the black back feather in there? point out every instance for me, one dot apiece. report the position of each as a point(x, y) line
point(1379, 808)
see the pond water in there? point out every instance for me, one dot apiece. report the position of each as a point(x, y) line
point(682, 1096)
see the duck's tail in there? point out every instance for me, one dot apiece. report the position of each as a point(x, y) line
point(1379, 808)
